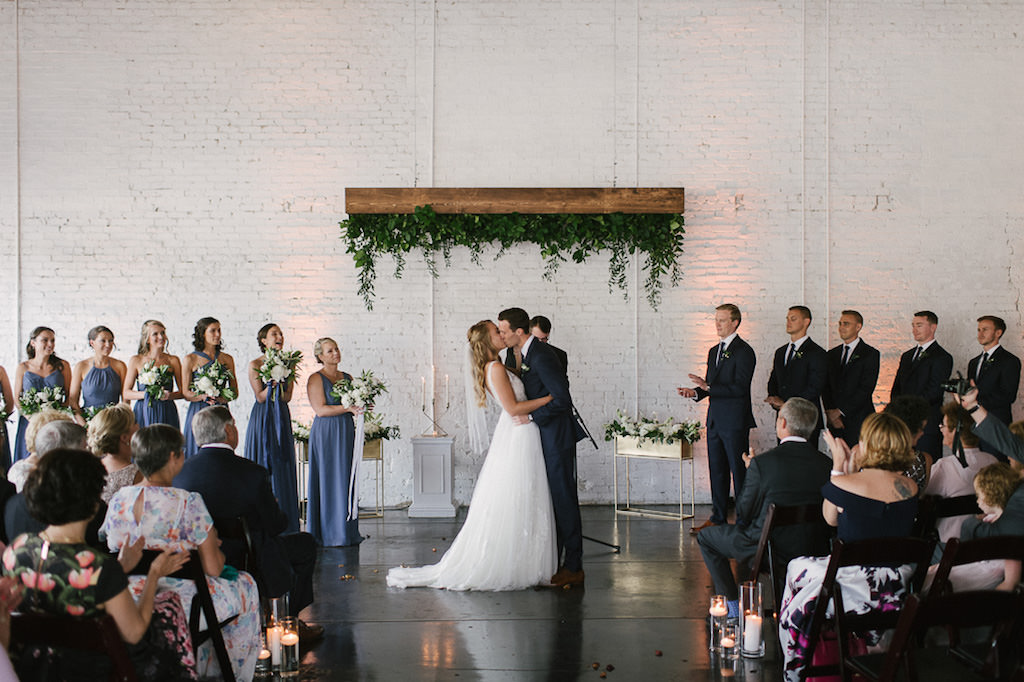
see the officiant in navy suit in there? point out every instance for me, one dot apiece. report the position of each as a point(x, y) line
point(543, 373)
point(730, 417)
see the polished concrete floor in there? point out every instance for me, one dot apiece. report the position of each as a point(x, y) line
point(651, 597)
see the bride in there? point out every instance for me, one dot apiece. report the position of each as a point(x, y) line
point(508, 540)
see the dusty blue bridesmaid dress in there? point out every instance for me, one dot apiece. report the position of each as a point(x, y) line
point(194, 408)
point(331, 445)
point(28, 381)
point(149, 412)
point(269, 443)
point(101, 387)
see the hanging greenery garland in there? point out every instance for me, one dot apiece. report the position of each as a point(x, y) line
point(658, 236)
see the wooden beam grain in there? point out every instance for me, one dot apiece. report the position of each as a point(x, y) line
point(515, 199)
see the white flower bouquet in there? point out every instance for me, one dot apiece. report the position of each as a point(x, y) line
point(156, 380)
point(300, 431)
point(35, 399)
point(361, 391)
point(214, 381)
point(279, 365)
point(373, 427)
point(667, 431)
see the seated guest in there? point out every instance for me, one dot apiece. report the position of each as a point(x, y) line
point(19, 470)
point(913, 411)
point(949, 477)
point(64, 490)
point(233, 486)
point(110, 439)
point(877, 501)
point(1017, 429)
point(790, 474)
point(171, 518)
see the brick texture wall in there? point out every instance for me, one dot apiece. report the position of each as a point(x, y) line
point(176, 160)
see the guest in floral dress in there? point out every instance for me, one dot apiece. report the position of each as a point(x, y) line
point(876, 501)
point(110, 439)
point(171, 518)
point(65, 576)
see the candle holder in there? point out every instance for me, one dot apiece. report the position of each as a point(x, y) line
point(435, 430)
point(718, 612)
point(751, 619)
point(289, 648)
point(729, 642)
point(276, 614)
point(263, 667)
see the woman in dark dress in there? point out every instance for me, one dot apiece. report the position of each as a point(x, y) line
point(331, 455)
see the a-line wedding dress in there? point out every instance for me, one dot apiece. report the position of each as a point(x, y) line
point(508, 540)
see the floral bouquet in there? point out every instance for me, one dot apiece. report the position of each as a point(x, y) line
point(279, 365)
point(90, 412)
point(35, 399)
point(300, 431)
point(214, 381)
point(373, 427)
point(667, 431)
point(156, 380)
point(361, 391)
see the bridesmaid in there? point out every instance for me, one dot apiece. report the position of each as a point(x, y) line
point(268, 436)
point(207, 343)
point(8, 409)
point(152, 346)
point(97, 381)
point(42, 369)
point(331, 447)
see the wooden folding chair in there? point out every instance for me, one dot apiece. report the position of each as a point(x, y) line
point(82, 634)
point(235, 530)
point(876, 552)
point(201, 604)
point(986, 608)
point(961, 552)
point(931, 508)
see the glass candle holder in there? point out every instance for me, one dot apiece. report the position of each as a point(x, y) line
point(263, 667)
point(729, 642)
point(718, 610)
point(751, 619)
point(289, 647)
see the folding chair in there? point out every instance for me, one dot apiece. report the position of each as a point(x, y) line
point(83, 634)
point(962, 552)
point(235, 530)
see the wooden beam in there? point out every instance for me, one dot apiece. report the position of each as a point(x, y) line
point(515, 199)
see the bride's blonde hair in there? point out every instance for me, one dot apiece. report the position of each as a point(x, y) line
point(482, 351)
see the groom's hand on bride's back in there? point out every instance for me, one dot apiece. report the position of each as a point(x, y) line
point(521, 419)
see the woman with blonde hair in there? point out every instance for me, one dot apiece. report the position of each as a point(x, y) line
point(152, 361)
point(876, 500)
point(508, 539)
point(110, 439)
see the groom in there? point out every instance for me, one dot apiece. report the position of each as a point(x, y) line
point(543, 374)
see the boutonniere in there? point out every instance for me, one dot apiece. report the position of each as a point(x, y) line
point(798, 355)
point(524, 368)
point(726, 354)
point(923, 355)
point(990, 360)
point(855, 357)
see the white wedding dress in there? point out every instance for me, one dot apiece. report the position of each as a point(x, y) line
point(508, 540)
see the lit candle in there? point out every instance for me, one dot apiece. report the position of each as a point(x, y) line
point(289, 639)
point(752, 633)
point(728, 642)
point(264, 654)
point(718, 609)
point(274, 642)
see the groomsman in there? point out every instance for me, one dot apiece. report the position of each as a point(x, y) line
point(852, 376)
point(799, 369)
point(922, 371)
point(996, 372)
point(727, 386)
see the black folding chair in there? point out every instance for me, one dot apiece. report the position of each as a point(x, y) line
point(82, 634)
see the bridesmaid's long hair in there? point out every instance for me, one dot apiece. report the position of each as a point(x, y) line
point(482, 351)
point(261, 335)
point(144, 337)
point(199, 335)
point(55, 362)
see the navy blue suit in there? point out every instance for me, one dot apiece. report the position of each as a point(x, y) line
point(544, 374)
point(730, 418)
point(804, 377)
point(998, 382)
point(233, 486)
point(850, 389)
point(925, 378)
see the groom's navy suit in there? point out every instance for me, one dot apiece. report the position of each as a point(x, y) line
point(544, 374)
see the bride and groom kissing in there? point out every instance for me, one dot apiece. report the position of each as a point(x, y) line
point(524, 513)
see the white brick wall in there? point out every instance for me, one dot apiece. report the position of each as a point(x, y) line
point(190, 158)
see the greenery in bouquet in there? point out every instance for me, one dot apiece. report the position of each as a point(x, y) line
point(360, 391)
point(279, 365)
point(214, 381)
point(90, 412)
point(156, 380)
point(373, 427)
point(35, 399)
point(648, 428)
point(300, 431)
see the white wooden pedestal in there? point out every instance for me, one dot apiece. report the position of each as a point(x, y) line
point(432, 477)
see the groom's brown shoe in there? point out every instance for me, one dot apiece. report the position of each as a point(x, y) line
point(565, 577)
